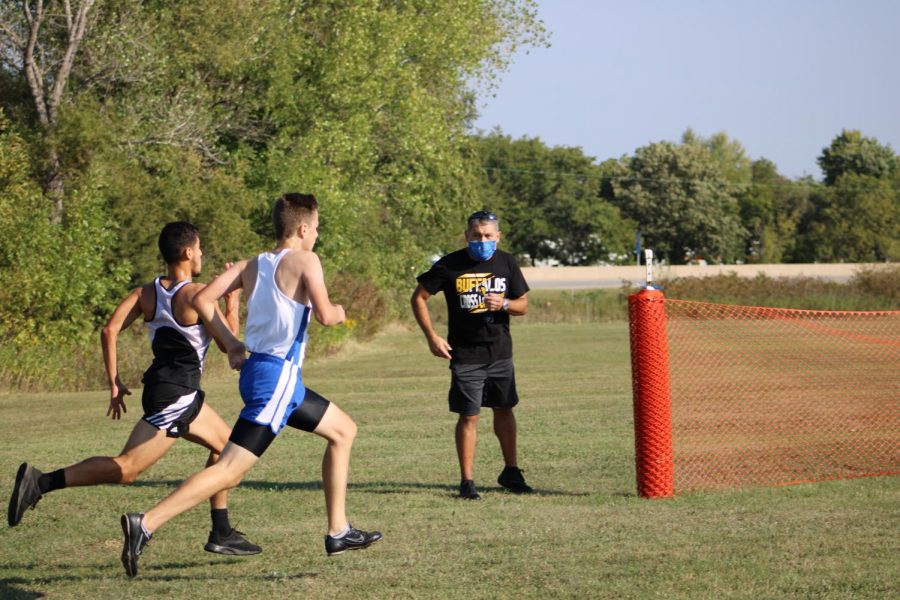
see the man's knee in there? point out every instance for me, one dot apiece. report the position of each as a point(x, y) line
point(232, 480)
point(350, 430)
point(345, 433)
point(503, 415)
point(128, 470)
point(468, 420)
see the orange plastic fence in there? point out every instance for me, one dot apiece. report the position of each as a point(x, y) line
point(768, 396)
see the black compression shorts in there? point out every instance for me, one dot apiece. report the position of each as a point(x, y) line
point(257, 437)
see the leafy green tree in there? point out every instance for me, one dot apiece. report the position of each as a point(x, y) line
point(856, 220)
point(771, 211)
point(40, 41)
point(550, 199)
point(680, 200)
point(57, 280)
point(734, 164)
point(365, 103)
point(133, 113)
point(854, 216)
point(852, 153)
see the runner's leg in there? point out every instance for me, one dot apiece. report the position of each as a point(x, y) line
point(145, 446)
point(209, 430)
point(339, 430)
point(226, 473)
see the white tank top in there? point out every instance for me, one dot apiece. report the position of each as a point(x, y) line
point(276, 324)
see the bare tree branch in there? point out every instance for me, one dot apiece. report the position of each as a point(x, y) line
point(76, 34)
point(18, 42)
point(32, 72)
point(28, 17)
point(68, 16)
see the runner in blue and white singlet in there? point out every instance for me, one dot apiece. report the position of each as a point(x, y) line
point(276, 335)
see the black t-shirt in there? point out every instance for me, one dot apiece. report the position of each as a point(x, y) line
point(476, 335)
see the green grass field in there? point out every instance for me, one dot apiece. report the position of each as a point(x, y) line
point(585, 534)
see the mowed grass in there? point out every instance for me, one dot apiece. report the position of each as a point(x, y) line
point(585, 534)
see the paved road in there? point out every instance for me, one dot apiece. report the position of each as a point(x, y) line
point(576, 278)
point(578, 284)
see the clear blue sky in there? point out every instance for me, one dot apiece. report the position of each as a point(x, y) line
point(783, 78)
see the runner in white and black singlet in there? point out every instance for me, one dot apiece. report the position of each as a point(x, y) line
point(482, 286)
point(172, 398)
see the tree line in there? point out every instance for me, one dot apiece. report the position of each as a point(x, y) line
point(700, 198)
point(117, 116)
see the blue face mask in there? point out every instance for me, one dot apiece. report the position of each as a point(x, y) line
point(482, 250)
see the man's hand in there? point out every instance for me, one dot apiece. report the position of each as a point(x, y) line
point(341, 314)
point(232, 298)
point(439, 347)
point(236, 356)
point(493, 302)
point(117, 393)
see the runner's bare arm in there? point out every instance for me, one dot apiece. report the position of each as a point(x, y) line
point(206, 304)
point(314, 282)
point(231, 316)
point(124, 315)
point(232, 307)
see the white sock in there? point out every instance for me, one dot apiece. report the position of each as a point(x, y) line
point(345, 531)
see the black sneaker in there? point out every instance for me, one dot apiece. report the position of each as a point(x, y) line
point(352, 540)
point(135, 540)
point(467, 490)
point(25, 493)
point(234, 543)
point(512, 479)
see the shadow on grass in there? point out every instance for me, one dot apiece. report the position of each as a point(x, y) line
point(375, 487)
point(15, 588)
point(8, 591)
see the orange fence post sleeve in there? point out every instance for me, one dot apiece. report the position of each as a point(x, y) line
point(650, 385)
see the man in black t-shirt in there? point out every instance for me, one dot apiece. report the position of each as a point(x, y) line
point(483, 286)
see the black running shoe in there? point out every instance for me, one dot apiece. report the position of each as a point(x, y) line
point(25, 493)
point(512, 479)
point(352, 540)
point(467, 490)
point(234, 543)
point(135, 540)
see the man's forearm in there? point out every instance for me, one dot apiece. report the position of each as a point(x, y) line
point(215, 325)
point(108, 340)
point(232, 316)
point(518, 307)
point(423, 318)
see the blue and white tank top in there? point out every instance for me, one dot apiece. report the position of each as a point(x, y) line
point(276, 324)
point(178, 350)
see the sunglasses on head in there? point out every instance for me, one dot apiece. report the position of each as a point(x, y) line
point(482, 215)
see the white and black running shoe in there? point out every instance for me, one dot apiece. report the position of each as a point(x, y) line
point(135, 540)
point(354, 539)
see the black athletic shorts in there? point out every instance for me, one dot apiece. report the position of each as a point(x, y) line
point(171, 407)
point(475, 385)
point(256, 437)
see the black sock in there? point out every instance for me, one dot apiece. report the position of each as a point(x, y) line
point(220, 522)
point(52, 481)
